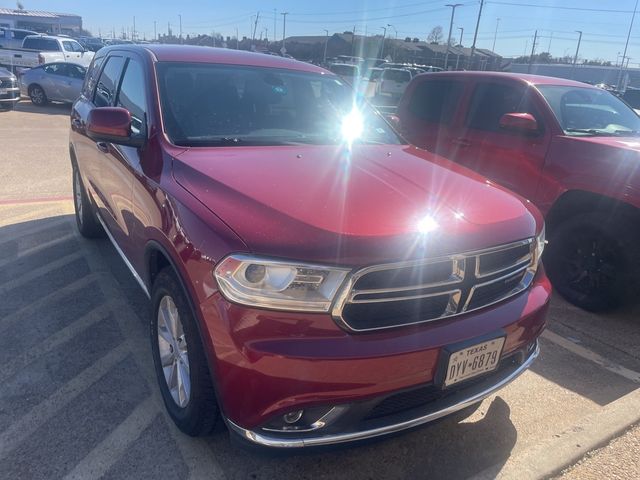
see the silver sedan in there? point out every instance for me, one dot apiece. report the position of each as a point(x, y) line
point(58, 82)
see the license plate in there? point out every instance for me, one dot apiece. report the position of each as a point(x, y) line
point(473, 361)
point(4, 91)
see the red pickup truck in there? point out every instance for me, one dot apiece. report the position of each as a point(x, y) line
point(572, 149)
point(313, 278)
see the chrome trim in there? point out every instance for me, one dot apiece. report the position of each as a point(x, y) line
point(124, 258)
point(328, 418)
point(523, 285)
point(346, 294)
point(354, 301)
point(278, 442)
point(523, 259)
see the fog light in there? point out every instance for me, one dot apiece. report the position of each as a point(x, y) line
point(292, 417)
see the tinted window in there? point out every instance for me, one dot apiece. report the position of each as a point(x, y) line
point(76, 71)
point(436, 101)
point(18, 35)
point(632, 97)
point(56, 69)
point(33, 43)
point(108, 82)
point(132, 96)
point(491, 101)
point(71, 46)
point(234, 106)
point(92, 77)
point(50, 45)
point(397, 75)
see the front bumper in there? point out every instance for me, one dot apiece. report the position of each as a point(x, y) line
point(432, 411)
point(9, 95)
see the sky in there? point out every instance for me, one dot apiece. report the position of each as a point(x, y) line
point(605, 23)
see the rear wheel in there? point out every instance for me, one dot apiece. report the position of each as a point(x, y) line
point(590, 261)
point(37, 95)
point(86, 220)
point(181, 366)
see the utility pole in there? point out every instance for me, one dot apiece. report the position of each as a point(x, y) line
point(155, 31)
point(133, 33)
point(382, 46)
point(326, 41)
point(495, 35)
point(626, 45)
point(180, 17)
point(575, 57)
point(550, 38)
point(475, 35)
point(237, 39)
point(395, 43)
point(168, 29)
point(453, 12)
point(275, 33)
point(533, 50)
point(283, 50)
point(461, 33)
point(255, 26)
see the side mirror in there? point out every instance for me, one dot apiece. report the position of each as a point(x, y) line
point(111, 124)
point(519, 122)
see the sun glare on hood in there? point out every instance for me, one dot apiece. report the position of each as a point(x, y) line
point(352, 125)
point(427, 224)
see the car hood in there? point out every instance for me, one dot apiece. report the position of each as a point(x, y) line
point(369, 204)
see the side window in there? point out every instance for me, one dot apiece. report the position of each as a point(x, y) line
point(71, 46)
point(33, 43)
point(436, 101)
point(92, 76)
point(108, 82)
point(55, 69)
point(132, 96)
point(50, 45)
point(491, 101)
point(76, 71)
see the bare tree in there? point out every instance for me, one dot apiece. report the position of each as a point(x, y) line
point(20, 5)
point(436, 35)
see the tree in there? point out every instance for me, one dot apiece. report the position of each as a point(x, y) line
point(436, 35)
point(20, 5)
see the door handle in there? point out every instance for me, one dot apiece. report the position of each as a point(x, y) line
point(462, 142)
point(103, 147)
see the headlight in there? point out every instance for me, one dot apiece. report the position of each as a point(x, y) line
point(280, 285)
point(539, 246)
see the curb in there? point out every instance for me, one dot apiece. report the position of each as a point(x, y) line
point(568, 447)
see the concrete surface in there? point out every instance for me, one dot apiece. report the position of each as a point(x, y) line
point(620, 460)
point(79, 397)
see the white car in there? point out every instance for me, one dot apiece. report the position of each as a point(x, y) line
point(40, 49)
point(394, 82)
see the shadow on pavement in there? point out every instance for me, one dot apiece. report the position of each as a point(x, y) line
point(26, 106)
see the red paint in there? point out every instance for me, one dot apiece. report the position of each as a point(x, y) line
point(109, 121)
point(540, 167)
point(311, 203)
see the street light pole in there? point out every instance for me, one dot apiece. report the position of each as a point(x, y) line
point(396, 40)
point(495, 36)
point(575, 57)
point(180, 17)
point(383, 37)
point(626, 45)
point(461, 33)
point(453, 12)
point(284, 30)
point(326, 41)
point(475, 35)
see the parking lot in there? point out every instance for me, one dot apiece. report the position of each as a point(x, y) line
point(79, 397)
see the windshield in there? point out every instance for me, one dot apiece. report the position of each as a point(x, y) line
point(589, 111)
point(397, 75)
point(204, 104)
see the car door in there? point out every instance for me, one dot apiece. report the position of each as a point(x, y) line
point(71, 83)
point(106, 175)
point(72, 50)
point(51, 78)
point(513, 159)
point(427, 111)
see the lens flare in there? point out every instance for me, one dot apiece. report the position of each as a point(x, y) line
point(352, 125)
point(427, 224)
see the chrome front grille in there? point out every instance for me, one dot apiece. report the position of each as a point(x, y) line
point(7, 83)
point(406, 293)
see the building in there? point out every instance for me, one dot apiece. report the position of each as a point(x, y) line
point(583, 73)
point(39, 21)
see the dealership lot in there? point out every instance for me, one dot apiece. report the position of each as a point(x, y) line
point(79, 397)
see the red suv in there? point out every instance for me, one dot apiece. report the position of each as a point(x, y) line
point(571, 148)
point(314, 280)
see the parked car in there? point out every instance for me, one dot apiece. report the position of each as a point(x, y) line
point(571, 148)
point(57, 82)
point(349, 73)
point(632, 97)
point(91, 43)
point(9, 90)
point(369, 82)
point(13, 37)
point(394, 81)
point(320, 278)
point(40, 49)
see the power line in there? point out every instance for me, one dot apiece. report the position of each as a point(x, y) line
point(560, 7)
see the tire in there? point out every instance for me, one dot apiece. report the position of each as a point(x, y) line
point(590, 259)
point(37, 95)
point(86, 220)
point(193, 408)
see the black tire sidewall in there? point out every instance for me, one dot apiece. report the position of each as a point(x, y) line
point(88, 226)
point(44, 96)
point(199, 415)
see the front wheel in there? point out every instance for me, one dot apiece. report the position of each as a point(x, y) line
point(180, 362)
point(37, 95)
point(86, 220)
point(590, 261)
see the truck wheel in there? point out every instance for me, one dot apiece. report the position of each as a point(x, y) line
point(37, 95)
point(180, 362)
point(86, 220)
point(590, 261)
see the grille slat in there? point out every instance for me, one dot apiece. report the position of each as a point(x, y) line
point(393, 295)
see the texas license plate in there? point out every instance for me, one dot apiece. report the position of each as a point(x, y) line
point(473, 361)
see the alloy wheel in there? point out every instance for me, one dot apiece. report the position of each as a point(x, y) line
point(77, 195)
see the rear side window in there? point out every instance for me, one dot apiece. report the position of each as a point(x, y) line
point(33, 43)
point(108, 82)
point(50, 45)
point(132, 96)
point(491, 101)
point(56, 69)
point(436, 101)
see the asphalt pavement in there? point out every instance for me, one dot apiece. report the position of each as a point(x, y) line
point(79, 397)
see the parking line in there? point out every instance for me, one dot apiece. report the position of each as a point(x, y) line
point(592, 356)
point(25, 230)
point(27, 201)
point(39, 272)
point(18, 431)
point(110, 449)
